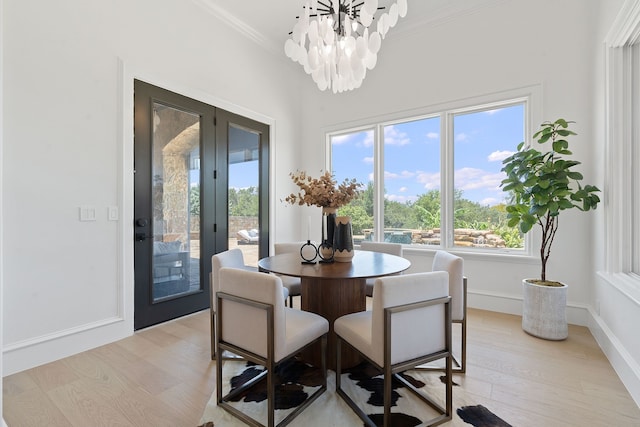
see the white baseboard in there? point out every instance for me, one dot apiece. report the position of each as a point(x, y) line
point(44, 349)
point(510, 304)
point(625, 366)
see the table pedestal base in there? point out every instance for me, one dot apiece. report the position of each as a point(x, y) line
point(332, 298)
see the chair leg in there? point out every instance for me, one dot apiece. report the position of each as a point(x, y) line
point(213, 334)
point(463, 357)
point(388, 379)
point(271, 395)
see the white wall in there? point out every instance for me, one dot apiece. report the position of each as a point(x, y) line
point(68, 79)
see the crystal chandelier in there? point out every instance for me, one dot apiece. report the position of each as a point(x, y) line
point(335, 41)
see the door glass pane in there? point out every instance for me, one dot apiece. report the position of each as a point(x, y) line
point(244, 182)
point(176, 202)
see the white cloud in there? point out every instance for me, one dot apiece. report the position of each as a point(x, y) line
point(430, 181)
point(492, 112)
point(403, 189)
point(368, 160)
point(341, 139)
point(433, 135)
point(368, 141)
point(353, 138)
point(490, 201)
point(473, 179)
point(498, 156)
point(390, 175)
point(393, 136)
point(461, 137)
point(402, 175)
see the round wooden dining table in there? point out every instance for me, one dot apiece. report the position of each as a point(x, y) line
point(334, 289)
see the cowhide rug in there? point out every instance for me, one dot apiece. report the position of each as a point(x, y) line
point(297, 380)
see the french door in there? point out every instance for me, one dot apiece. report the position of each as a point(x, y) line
point(192, 160)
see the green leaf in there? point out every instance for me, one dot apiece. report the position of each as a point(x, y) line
point(544, 138)
point(538, 210)
point(525, 227)
point(565, 204)
point(575, 175)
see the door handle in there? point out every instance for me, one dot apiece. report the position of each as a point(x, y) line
point(142, 222)
point(142, 237)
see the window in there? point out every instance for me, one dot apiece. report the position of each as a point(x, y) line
point(433, 180)
point(481, 140)
point(623, 145)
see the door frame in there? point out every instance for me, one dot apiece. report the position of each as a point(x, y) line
point(127, 73)
point(214, 143)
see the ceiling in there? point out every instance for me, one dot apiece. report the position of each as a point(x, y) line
point(269, 22)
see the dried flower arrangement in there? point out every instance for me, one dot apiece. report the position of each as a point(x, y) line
point(324, 191)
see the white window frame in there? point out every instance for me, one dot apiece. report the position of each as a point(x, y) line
point(529, 95)
point(622, 201)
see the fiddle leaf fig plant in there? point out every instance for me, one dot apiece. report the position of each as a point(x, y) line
point(543, 184)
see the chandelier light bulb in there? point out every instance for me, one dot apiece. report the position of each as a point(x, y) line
point(336, 43)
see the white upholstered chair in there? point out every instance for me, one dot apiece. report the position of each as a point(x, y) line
point(253, 322)
point(387, 248)
point(230, 258)
point(409, 325)
point(454, 265)
point(292, 284)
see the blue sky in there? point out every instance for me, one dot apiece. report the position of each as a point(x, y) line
point(412, 154)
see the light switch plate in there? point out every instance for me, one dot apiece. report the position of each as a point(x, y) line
point(112, 213)
point(87, 213)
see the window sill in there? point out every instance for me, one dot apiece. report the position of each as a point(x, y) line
point(627, 284)
point(497, 256)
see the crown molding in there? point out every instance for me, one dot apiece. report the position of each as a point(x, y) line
point(238, 25)
point(626, 27)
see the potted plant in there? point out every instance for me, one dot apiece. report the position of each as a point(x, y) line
point(325, 192)
point(542, 185)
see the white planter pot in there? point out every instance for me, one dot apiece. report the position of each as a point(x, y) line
point(544, 311)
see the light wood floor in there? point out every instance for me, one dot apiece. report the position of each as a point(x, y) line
point(163, 376)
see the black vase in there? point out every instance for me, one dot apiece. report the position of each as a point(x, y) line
point(325, 249)
point(343, 240)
